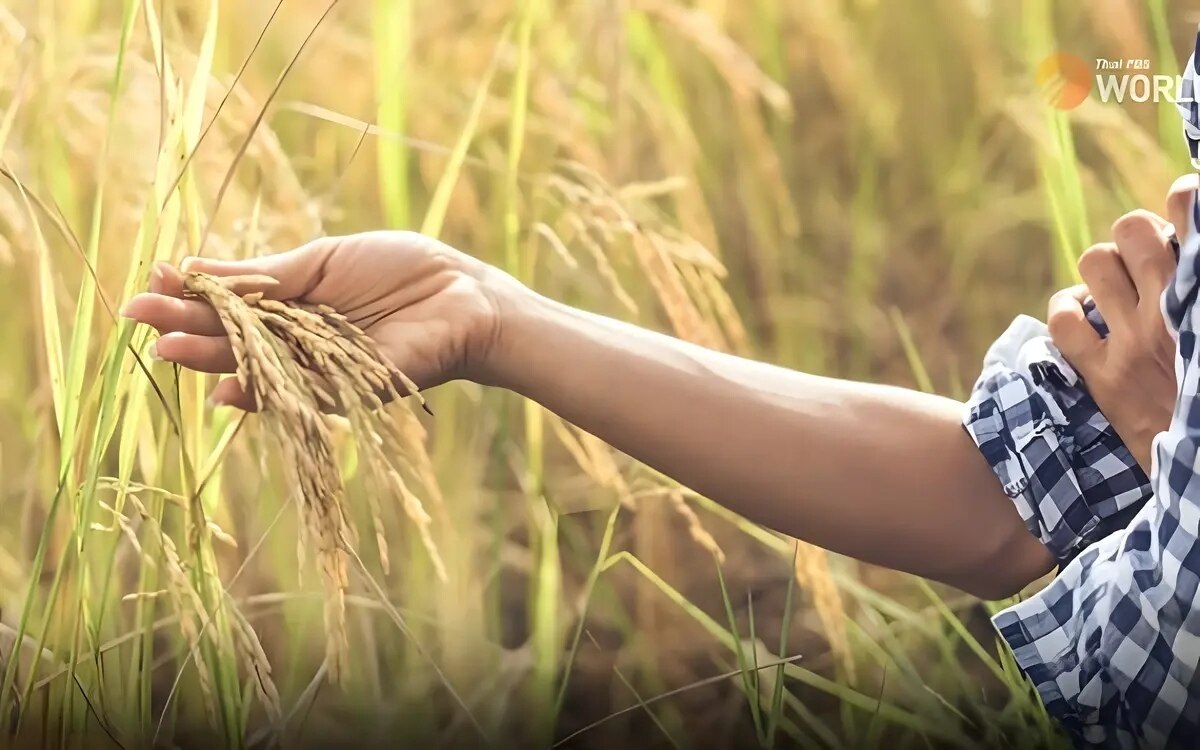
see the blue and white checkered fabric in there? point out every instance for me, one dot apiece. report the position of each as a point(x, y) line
point(1113, 643)
point(1069, 474)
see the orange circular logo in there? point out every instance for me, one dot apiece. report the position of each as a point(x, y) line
point(1064, 80)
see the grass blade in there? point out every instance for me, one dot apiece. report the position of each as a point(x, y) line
point(435, 216)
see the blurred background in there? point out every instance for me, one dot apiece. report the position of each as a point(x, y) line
point(859, 188)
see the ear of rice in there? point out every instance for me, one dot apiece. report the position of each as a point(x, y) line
point(298, 361)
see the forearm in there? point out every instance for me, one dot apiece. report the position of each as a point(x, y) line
point(879, 473)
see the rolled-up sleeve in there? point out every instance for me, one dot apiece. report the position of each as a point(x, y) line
point(1067, 472)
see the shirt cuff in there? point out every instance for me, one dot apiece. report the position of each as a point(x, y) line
point(1069, 475)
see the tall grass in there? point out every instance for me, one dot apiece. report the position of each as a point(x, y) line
point(864, 189)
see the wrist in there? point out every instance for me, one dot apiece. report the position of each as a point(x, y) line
point(517, 314)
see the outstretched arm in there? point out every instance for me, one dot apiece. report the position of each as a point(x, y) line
point(883, 474)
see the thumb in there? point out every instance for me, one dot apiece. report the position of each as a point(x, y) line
point(1070, 329)
point(290, 274)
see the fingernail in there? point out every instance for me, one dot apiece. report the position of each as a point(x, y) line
point(211, 403)
point(152, 351)
point(124, 311)
point(187, 262)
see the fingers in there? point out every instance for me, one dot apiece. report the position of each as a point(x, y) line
point(205, 354)
point(283, 276)
point(229, 392)
point(168, 314)
point(166, 279)
point(1104, 273)
point(294, 273)
point(213, 354)
point(193, 335)
point(202, 353)
point(1143, 240)
point(1069, 327)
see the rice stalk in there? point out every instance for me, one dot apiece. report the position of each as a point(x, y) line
point(812, 574)
point(695, 529)
point(741, 73)
point(186, 600)
point(194, 620)
point(298, 361)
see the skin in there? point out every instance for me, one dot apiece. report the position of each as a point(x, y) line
point(1131, 374)
point(883, 474)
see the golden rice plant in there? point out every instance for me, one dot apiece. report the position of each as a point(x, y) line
point(299, 362)
point(764, 177)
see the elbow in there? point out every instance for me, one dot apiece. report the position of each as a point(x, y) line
point(993, 590)
point(1005, 571)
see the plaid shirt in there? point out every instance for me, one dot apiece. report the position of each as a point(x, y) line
point(1113, 642)
point(1072, 479)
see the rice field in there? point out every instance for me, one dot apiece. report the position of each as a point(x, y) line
point(860, 188)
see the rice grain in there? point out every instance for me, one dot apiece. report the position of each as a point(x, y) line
point(299, 361)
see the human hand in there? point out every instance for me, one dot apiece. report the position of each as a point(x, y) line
point(1131, 373)
point(434, 311)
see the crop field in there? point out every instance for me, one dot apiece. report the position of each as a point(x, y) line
point(869, 189)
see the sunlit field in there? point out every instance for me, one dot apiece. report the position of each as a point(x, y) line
point(865, 188)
